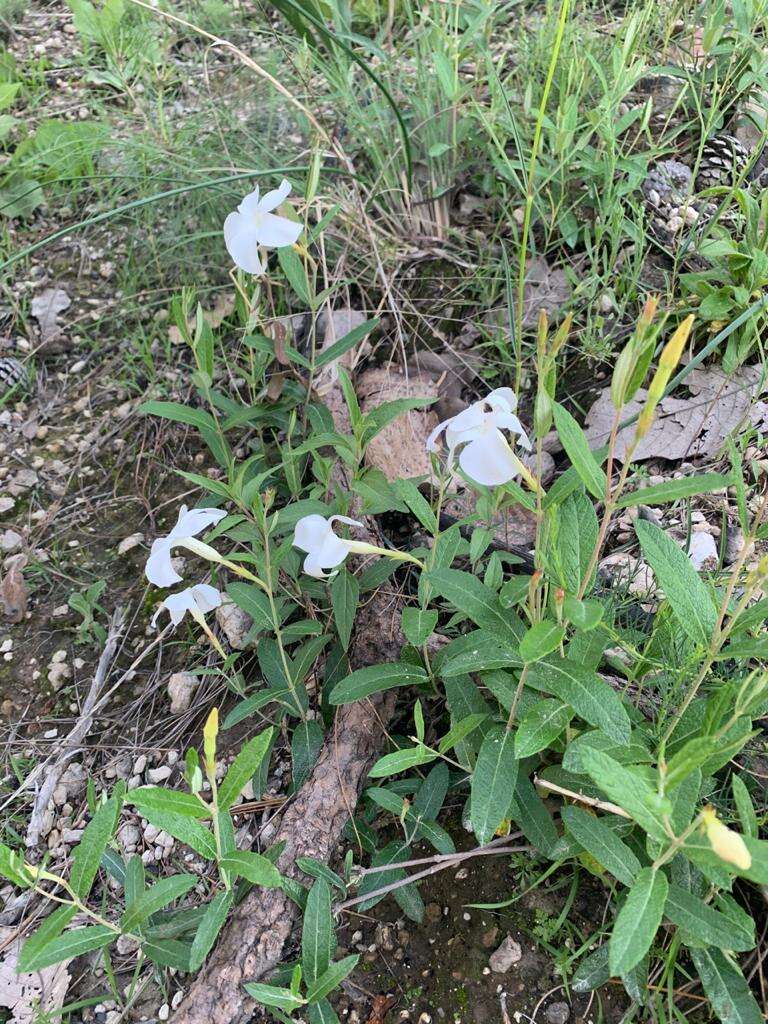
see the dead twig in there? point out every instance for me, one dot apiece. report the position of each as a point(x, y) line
point(82, 727)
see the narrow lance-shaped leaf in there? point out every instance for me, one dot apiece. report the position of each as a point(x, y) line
point(493, 782)
point(638, 920)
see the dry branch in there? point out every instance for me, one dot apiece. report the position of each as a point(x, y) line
point(253, 941)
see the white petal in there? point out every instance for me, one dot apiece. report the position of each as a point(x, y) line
point(456, 437)
point(488, 461)
point(276, 231)
point(310, 532)
point(432, 439)
point(251, 203)
point(192, 522)
point(206, 597)
point(503, 399)
point(179, 604)
point(508, 421)
point(312, 568)
point(158, 569)
point(331, 552)
point(242, 243)
point(272, 199)
point(345, 519)
point(468, 419)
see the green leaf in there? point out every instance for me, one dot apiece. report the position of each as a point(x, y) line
point(570, 535)
point(155, 898)
point(589, 695)
point(593, 971)
point(185, 829)
point(687, 759)
point(744, 806)
point(12, 867)
point(8, 92)
point(271, 995)
point(583, 614)
point(493, 782)
point(254, 867)
point(295, 273)
point(418, 624)
point(322, 1012)
point(705, 923)
point(318, 942)
point(602, 843)
point(88, 854)
point(243, 768)
point(674, 490)
point(306, 743)
point(345, 594)
point(375, 679)
point(335, 351)
point(627, 788)
point(458, 732)
point(401, 761)
point(50, 929)
point(332, 978)
point(209, 928)
point(180, 414)
point(533, 817)
point(155, 798)
point(71, 944)
point(540, 640)
point(726, 988)
point(477, 601)
point(690, 600)
point(638, 920)
point(540, 726)
point(577, 448)
point(253, 601)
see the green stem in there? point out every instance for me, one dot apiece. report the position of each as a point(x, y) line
point(562, 18)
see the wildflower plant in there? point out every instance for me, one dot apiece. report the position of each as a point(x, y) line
point(532, 710)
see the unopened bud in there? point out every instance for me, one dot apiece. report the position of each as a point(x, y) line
point(727, 844)
point(670, 357)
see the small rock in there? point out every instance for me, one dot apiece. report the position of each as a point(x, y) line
point(58, 674)
point(6, 505)
point(384, 937)
point(10, 542)
point(164, 1012)
point(557, 1013)
point(157, 775)
point(71, 836)
point(60, 795)
point(235, 624)
point(181, 686)
point(128, 836)
point(508, 953)
point(126, 945)
point(703, 552)
point(129, 543)
point(489, 938)
point(140, 764)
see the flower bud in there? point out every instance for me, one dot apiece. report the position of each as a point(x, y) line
point(622, 374)
point(542, 413)
point(210, 732)
point(726, 843)
point(670, 357)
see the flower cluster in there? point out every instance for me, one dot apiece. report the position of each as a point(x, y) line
point(200, 598)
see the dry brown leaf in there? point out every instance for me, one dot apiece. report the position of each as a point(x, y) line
point(29, 996)
point(13, 589)
point(45, 308)
point(400, 449)
point(685, 427)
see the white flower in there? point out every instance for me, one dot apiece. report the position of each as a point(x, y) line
point(254, 224)
point(197, 600)
point(158, 568)
point(485, 455)
point(314, 534)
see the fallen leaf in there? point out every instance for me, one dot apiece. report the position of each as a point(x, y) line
point(45, 308)
point(684, 427)
point(513, 528)
point(400, 449)
point(13, 589)
point(380, 1008)
point(34, 996)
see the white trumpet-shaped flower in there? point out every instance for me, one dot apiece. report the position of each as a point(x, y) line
point(314, 534)
point(159, 569)
point(197, 600)
point(254, 224)
point(477, 435)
